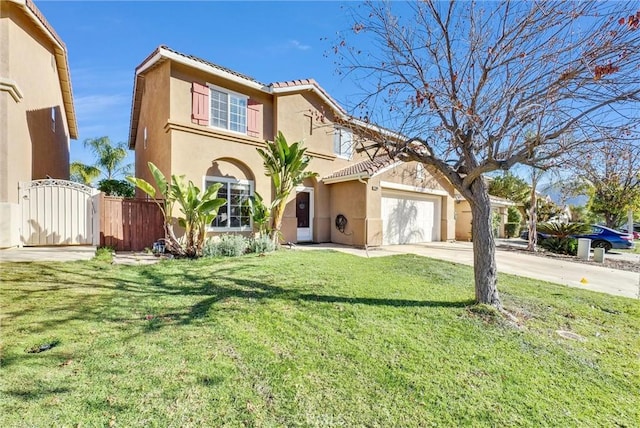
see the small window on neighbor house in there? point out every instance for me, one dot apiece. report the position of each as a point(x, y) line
point(53, 119)
point(342, 142)
point(144, 136)
point(420, 171)
point(234, 215)
point(228, 110)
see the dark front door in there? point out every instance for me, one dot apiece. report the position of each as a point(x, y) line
point(302, 209)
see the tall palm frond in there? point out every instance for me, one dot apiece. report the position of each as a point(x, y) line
point(109, 157)
point(286, 165)
point(81, 173)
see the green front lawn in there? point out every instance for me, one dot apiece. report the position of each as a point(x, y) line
point(308, 338)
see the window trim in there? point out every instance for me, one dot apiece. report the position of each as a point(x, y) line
point(338, 131)
point(229, 93)
point(228, 181)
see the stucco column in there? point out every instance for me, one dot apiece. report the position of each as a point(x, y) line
point(503, 221)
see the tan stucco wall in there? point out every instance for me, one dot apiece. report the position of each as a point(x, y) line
point(304, 117)
point(154, 114)
point(197, 151)
point(349, 199)
point(29, 148)
point(464, 220)
point(182, 79)
point(9, 224)
point(194, 148)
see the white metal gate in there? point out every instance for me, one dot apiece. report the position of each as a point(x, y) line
point(56, 212)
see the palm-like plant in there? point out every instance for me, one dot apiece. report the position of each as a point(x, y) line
point(286, 165)
point(85, 174)
point(109, 157)
point(198, 209)
point(564, 230)
point(260, 213)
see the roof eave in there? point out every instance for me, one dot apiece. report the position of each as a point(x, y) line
point(62, 62)
point(386, 168)
point(337, 108)
point(351, 177)
point(164, 53)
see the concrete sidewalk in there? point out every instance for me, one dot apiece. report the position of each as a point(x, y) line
point(48, 254)
point(559, 271)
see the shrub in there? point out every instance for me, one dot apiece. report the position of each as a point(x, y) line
point(512, 229)
point(226, 246)
point(104, 254)
point(117, 188)
point(261, 244)
point(513, 215)
point(561, 245)
point(495, 223)
point(564, 230)
point(514, 219)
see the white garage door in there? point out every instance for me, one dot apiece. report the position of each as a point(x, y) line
point(410, 218)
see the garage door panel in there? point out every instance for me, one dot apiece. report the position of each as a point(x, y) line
point(409, 219)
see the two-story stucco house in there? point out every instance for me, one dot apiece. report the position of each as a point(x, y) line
point(194, 118)
point(37, 116)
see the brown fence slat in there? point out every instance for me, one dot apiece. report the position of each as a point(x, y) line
point(129, 224)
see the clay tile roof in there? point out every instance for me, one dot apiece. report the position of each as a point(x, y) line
point(366, 167)
point(210, 64)
point(40, 16)
point(306, 82)
point(297, 82)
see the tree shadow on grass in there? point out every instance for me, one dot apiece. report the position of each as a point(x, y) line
point(223, 286)
point(138, 286)
point(40, 392)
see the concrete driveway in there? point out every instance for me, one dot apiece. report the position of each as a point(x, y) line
point(48, 254)
point(559, 271)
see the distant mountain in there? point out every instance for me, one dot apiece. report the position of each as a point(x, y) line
point(554, 191)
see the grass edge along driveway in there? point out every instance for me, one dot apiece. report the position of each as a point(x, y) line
point(314, 338)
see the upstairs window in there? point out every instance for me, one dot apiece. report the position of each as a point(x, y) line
point(342, 142)
point(228, 110)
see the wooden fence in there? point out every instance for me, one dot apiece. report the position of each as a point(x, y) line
point(129, 224)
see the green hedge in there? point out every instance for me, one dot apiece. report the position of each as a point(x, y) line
point(512, 230)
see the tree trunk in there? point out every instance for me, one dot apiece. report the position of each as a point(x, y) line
point(276, 221)
point(484, 247)
point(533, 218)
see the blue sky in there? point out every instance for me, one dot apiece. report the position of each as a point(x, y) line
point(269, 41)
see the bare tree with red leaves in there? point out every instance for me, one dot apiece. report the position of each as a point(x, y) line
point(482, 86)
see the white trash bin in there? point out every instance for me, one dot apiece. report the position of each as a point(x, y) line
point(598, 255)
point(584, 248)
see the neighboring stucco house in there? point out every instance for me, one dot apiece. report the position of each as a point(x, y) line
point(464, 222)
point(37, 116)
point(193, 117)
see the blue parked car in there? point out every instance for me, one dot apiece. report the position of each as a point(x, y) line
point(601, 237)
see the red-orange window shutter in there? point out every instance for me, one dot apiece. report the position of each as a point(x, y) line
point(253, 118)
point(200, 108)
